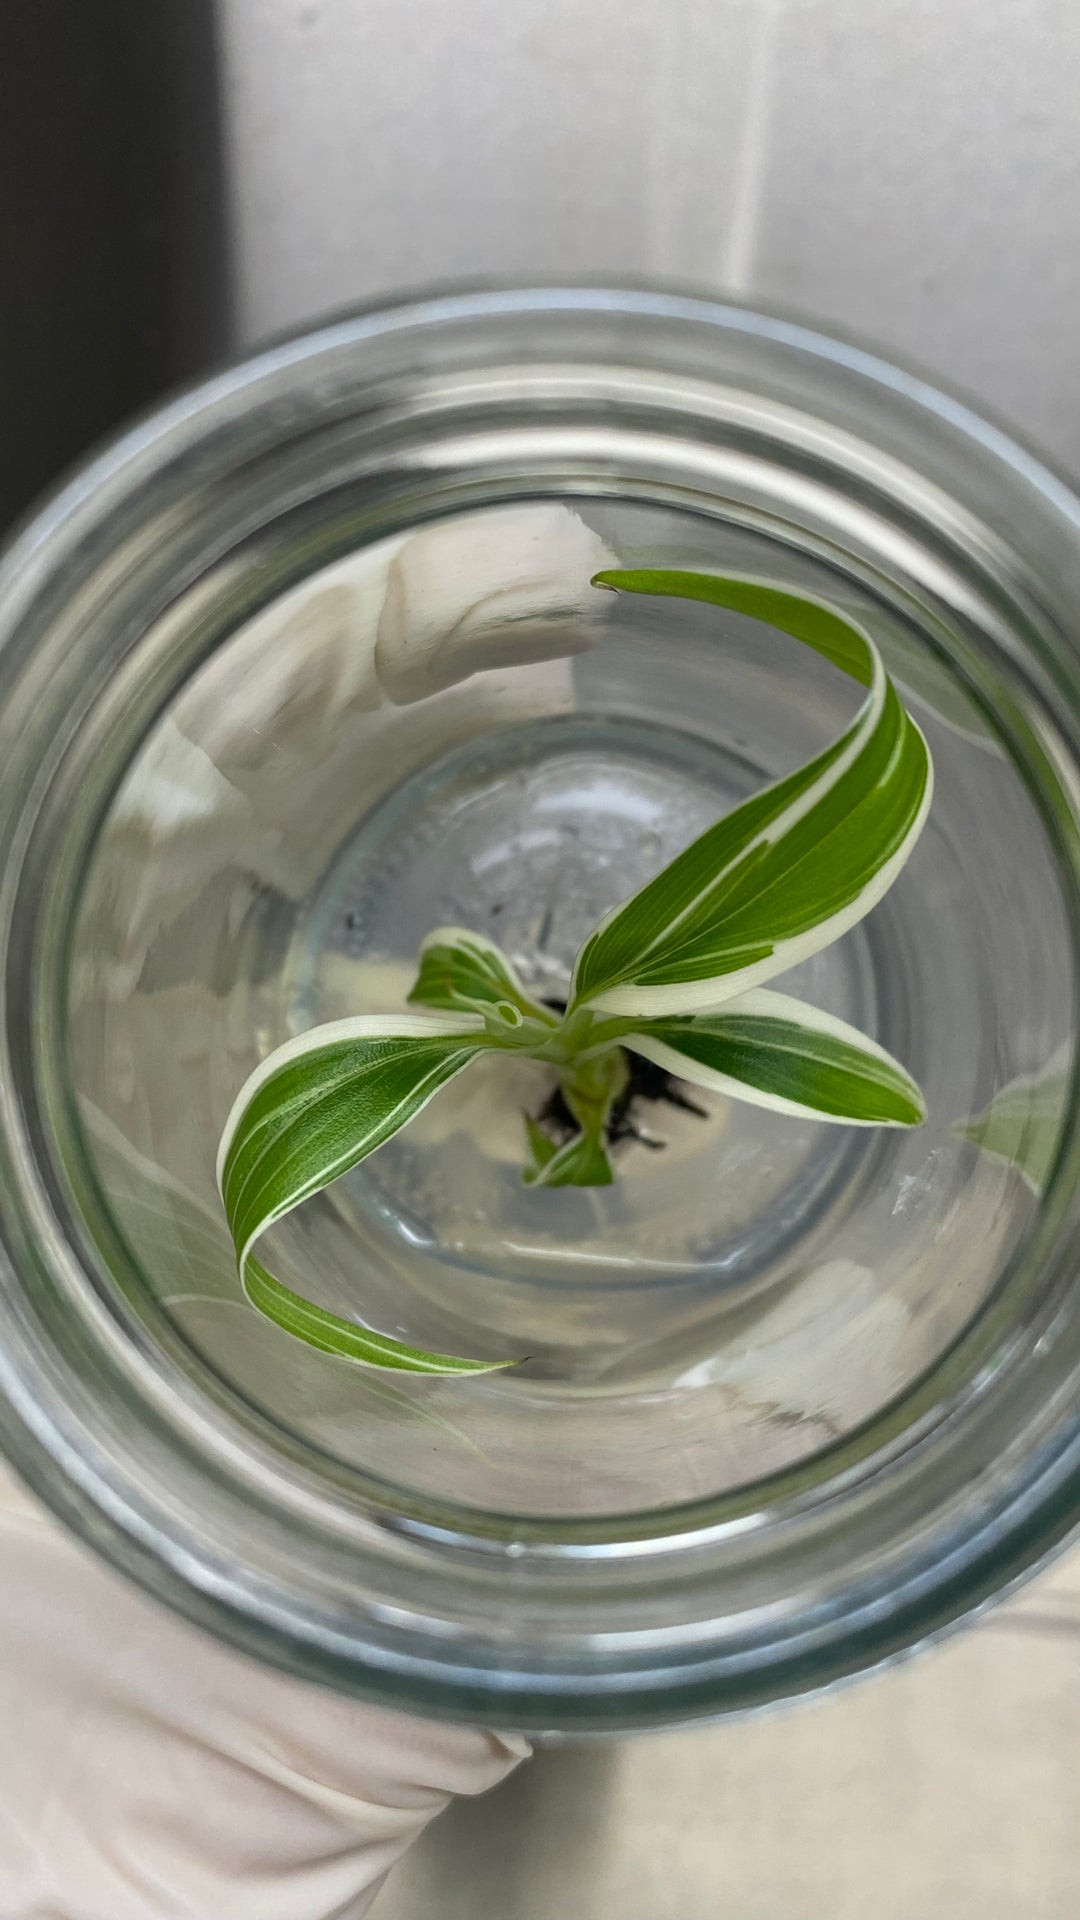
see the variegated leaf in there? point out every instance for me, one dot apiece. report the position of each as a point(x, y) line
point(792, 868)
point(316, 1107)
point(776, 1052)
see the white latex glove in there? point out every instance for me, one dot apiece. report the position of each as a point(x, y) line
point(147, 1773)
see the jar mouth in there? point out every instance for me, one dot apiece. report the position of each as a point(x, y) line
point(816, 1563)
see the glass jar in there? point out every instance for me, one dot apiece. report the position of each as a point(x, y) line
point(307, 663)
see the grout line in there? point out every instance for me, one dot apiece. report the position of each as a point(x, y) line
point(740, 251)
point(658, 124)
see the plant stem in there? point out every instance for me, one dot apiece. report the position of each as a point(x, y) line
point(570, 1040)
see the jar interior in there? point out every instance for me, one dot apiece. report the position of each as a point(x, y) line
point(449, 725)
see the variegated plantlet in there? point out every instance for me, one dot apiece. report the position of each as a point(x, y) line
point(676, 975)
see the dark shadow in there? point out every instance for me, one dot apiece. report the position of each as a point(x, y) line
point(113, 269)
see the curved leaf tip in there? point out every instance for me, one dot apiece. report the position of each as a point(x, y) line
point(791, 869)
point(314, 1109)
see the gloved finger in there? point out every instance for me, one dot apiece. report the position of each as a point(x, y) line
point(150, 1773)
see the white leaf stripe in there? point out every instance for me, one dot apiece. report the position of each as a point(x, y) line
point(808, 784)
point(773, 1051)
point(261, 1130)
point(691, 930)
point(741, 883)
point(313, 1109)
point(346, 1338)
point(459, 968)
point(783, 952)
point(579, 1154)
point(802, 804)
point(365, 1026)
point(689, 997)
point(292, 1174)
point(715, 855)
point(355, 1148)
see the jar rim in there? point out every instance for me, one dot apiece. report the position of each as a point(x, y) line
point(625, 1662)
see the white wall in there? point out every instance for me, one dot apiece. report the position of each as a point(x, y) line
point(908, 170)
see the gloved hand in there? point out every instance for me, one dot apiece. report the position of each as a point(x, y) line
point(147, 1773)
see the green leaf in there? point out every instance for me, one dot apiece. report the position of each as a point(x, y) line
point(463, 972)
point(790, 870)
point(173, 1232)
point(776, 1052)
point(331, 1334)
point(316, 1107)
point(1022, 1124)
point(542, 1150)
point(811, 621)
point(590, 1088)
point(581, 1162)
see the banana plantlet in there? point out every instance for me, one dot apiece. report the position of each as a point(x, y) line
point(673, 979)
